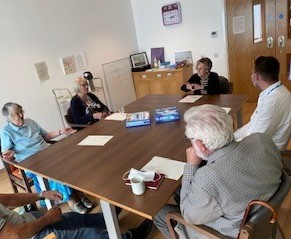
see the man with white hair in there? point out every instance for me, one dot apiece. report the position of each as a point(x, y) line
point(236, 173)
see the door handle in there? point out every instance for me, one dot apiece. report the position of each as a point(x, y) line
point(281, 43)
point(270, 42)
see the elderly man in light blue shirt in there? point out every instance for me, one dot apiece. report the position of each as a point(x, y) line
point(15, 137)
point(21, 138)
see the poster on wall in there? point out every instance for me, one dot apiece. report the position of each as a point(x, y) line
point(239, 24)
point(80, 61)
point(41, 71)
point(69, 65)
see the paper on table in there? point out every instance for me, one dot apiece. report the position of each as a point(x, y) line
point(227, 109)
point(95, 140)
point(190, 98)
point(116, 116)
point(171, 168)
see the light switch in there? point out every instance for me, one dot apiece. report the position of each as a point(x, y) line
point(214, 34)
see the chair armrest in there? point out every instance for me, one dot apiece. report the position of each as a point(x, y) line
point(11, 162)
point(204, 230)
point(286, 153)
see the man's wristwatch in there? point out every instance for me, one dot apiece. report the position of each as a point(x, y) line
point(40, 196)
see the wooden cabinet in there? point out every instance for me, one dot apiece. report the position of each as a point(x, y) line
point(161, 81)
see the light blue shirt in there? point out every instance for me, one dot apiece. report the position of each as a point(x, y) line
point(24, 140)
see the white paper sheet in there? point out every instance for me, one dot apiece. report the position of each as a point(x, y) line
point(190, 98)
point(171, 168)
point(95, 140)
point(116, 116)
point(227, 109)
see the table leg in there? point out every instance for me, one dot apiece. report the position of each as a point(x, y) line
point(44, 186)
point(239, 118)
point(110, 220)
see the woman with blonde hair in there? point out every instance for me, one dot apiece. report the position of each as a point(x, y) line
point(85, 107)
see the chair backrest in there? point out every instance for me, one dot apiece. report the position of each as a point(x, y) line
point(69, 120)
point(225, 87)
point(63, 98)
point(286, 157)
point(258, 223)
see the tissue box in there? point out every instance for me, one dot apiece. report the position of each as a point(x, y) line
point(167, 114)
point(138, 119)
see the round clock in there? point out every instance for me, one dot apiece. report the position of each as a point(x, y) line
point(171, 14)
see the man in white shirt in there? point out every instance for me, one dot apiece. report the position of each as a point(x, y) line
point(273, 113)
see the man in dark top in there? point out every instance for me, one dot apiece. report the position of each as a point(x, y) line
point(204, 81)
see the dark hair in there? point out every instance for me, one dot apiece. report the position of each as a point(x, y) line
point(268, 67)
point(206, 61)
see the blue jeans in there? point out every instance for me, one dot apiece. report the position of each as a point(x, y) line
point(76, 226)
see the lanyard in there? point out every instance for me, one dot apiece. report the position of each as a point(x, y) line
point(274, 88)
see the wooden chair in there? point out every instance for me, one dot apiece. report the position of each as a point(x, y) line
point(262, 224)
point(18, 180)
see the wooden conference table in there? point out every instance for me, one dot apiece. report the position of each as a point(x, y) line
point(98, 171)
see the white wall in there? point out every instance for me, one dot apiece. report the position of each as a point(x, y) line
point(35, 31)
point(199, 18)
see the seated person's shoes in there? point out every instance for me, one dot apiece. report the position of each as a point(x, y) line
point(79, 208)
point(143, 231)
point(87, 203)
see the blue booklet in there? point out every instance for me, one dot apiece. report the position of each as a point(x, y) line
point(138, 119)
point(167, 114)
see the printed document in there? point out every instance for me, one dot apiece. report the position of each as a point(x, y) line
point(95, 140)
point(116, 116)
point(190, 98)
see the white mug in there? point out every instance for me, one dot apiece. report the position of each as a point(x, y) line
point(137, 185)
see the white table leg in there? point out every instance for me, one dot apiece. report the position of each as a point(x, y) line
point(110, 220)
point(44, 188)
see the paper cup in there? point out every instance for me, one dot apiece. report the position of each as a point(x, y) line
point(137, 185)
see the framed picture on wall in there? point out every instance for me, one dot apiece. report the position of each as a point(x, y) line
point(139, 61)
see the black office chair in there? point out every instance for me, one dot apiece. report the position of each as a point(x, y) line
point(262, 224)
point(69, 120)
point(225, 86)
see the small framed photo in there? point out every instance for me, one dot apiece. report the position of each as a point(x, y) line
point(139, 60)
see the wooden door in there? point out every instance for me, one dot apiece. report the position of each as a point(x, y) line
point(245, 44)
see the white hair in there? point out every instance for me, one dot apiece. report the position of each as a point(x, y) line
point(210, 124)
point(10, 107)
point(78, 82)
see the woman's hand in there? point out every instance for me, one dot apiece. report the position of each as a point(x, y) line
point(98, 115)
point(190, 86)
point(68, 131)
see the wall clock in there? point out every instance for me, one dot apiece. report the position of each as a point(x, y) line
point(171, 14)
